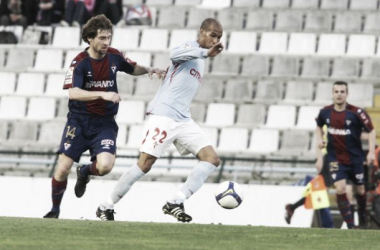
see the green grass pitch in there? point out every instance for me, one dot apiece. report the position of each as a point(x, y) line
point(41, 234)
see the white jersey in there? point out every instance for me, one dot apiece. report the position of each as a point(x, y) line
point(181, 83)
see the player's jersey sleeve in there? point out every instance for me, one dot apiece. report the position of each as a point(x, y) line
point(74, 76)
point(126, 65)
point(186, 52)
point(365, 120)
point(320, 120)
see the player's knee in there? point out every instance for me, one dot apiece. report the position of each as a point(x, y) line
point(62, 172)
point(214, 160)
point(105, 168)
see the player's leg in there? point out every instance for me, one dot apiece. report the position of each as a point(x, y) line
point(357, 177)
point(72, 145)
point(156, 138)
point(291, 208)
point(144, 164)
point(103, 150)
point(343, 203)
point(58, 184)
point(101, 166)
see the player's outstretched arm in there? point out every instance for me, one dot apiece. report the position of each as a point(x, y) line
point(215, 50)
point(84, 95)
point(141, 70)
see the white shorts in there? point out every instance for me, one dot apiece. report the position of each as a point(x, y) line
point(160, 132)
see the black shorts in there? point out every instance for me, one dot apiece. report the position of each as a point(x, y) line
point(88, 132)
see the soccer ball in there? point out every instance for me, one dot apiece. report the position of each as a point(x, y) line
point(229, 195)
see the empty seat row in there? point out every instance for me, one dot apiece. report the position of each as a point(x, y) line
point(226, 140)
point(269, 4)
point(213, 89)
point(34, 108)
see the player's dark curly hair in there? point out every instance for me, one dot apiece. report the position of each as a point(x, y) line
point(90, 29)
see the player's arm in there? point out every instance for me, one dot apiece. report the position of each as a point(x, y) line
point(84, 95)
point(141, 70)
point(320, 145)
point(371, 146)
point(186, 52)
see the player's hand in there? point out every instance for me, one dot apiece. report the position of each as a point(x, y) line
point(159, 72)
point(370, 158)
point(111, 96)
point(322, 144)
point(215, 50)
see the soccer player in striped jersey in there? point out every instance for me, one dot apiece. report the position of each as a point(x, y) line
point(169, 122)
point(93, 104)
point(345, 155)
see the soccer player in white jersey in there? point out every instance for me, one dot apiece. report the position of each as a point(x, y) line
point(169, 121)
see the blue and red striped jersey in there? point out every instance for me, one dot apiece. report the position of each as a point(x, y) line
point(344, 129)
point(96, 75)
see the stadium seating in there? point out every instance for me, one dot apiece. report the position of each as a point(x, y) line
point(371, 22)
point(306, 117)
point(289, 20)
point(211, 4)
point(334, 4)
point(350, 22)
point(187, 2)
point(363, 4)
point(345, 68)
point(69, 57)
point(332, 45)
point(246, 3)
point(269, 91)
point(8, 83)
point(302, 44)
point(220, 114)
point(13, 60)
point(281, 116)
point(298, 93)
point(135, 137)
point(305, 4)
point(259, 20)
point(273, 43)
point(125, 85)
point(242, 42)
point(264, 141)
point(54, 86)
point(276, 4)
point(146, 88)
point(154, 39)
point(238, 90)
point(196, 14)
point(41, 108)
point(30, 84)
point(179, 36)
point(2, 58)
point(66, 37)
point(171, 17)
point(233, 140)
point(161, 60)
point(125, 38)
point(22, 133)
point(255, 66)
point(12, 107)
point(251, 115)
point(361, 45)
point(140, 57)
point(285, 66)
point(49, 60)
point(294, 143)
point(232, 19)
point(318, 21)
point(323, 94)
point(314, 67)
point(131, 112)
point(51, 133)
point(198, 111)
point(225, 64)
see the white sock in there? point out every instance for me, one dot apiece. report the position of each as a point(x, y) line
point(122, 187)
point(194, 181)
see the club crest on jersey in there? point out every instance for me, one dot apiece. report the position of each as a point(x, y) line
point(67, 145)
point(113, 68)
point(327, 120)
point(89, 74)
point(348, 122)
